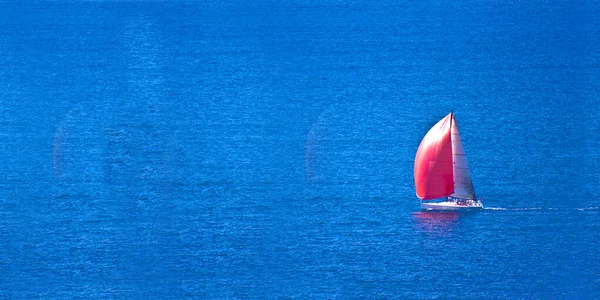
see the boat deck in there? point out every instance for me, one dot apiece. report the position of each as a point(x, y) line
point(451, 206)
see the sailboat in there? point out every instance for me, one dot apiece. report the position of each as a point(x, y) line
point(441, 170)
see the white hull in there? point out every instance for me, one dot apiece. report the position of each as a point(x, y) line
point(451, 206)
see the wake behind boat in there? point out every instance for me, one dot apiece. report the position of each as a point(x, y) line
point(441, 170)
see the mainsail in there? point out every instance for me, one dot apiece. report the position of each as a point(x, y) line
point(463, 185)
point(440, 164)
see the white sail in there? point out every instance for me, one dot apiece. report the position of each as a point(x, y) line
point(463, 186)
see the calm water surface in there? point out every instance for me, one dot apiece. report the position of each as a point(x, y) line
point(218, 150)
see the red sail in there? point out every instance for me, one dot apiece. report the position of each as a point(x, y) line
point(433, 164)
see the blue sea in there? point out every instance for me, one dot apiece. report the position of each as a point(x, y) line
point(265, 149)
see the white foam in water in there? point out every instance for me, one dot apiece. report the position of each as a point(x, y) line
point(495, 208)
point(544, 208)
point(514, 208)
